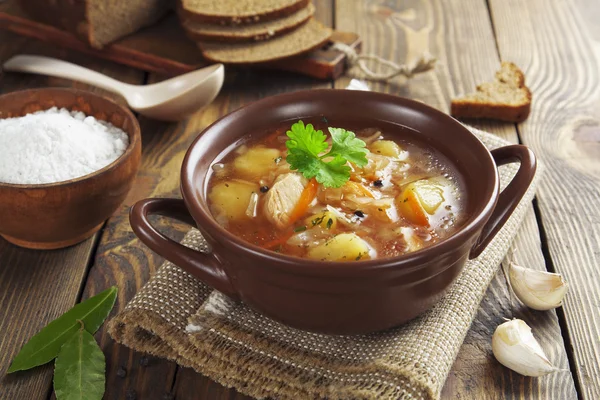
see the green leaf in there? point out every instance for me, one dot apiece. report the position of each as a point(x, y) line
point(303, 162)
point(348, 146)
point(305, 145)
point(330, 174)
point(334, 173)
point(306, 139)
point(79, 369)
point(46, 344)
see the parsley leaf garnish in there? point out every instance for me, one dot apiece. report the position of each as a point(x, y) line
point(306, 139)
point(348, 146)
point(306, 145)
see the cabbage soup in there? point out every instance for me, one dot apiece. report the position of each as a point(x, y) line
point(334, 192)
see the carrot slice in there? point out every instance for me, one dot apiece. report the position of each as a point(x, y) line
point(410, 206)
point(308, 195)
point(357, 187)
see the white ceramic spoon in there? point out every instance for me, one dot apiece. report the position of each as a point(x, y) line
point(170, 100)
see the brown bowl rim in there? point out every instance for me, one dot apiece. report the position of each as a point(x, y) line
point(298, 265)
point(134, 138)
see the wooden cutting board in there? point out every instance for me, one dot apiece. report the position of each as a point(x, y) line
point(164, 47)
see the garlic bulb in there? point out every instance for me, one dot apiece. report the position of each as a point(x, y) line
point(539, 290)
point(515, 347)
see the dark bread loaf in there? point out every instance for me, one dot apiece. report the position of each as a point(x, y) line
point(98, 22)
point(233, 12)
point(248, 32)
point(506, 98)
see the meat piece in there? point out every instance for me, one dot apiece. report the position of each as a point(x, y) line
point(283, 196)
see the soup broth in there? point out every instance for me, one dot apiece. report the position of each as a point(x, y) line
point(407, 197)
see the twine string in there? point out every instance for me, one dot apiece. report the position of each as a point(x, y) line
point(422, 64)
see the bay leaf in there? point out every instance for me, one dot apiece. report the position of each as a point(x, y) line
point(46, 344)
point(79, 369)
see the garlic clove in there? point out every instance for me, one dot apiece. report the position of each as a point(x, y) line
point(539, 290)
point(515, 347)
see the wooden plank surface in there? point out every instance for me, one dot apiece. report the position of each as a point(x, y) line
point(558, 45)
point(38, 286)
point(459, 34)
point(560, 59)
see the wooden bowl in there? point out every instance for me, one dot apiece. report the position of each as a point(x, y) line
point(56, 215)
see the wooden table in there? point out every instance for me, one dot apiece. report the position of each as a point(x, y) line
point(556, 42)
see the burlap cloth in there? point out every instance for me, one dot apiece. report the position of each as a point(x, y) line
point(177, 317)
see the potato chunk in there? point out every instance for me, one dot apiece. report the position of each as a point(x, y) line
point(230, 199)
point(343, 247)
point(256, 162)
point(419, 199)
point(386, 148)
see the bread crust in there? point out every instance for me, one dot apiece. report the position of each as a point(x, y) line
point(189, 15)
point(468, 107)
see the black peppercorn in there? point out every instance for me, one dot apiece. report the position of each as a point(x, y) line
point(378, 183)
point(264, 189)
point(359, 214)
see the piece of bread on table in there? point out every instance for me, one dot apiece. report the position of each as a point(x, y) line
point(506, 98)
point(261, 30)
point(307, 37)
point(233, 12)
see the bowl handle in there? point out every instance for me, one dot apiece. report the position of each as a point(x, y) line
point(203, 266)
point(509, 198)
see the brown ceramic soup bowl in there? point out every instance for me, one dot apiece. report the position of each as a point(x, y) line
point(334, 297)
point(61, 214)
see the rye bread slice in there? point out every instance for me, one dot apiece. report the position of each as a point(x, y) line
point(301, 40)
point(249, 32)
point(506, 98)
point(235, 12)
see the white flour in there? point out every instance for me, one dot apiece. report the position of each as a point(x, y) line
point(56, 145)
